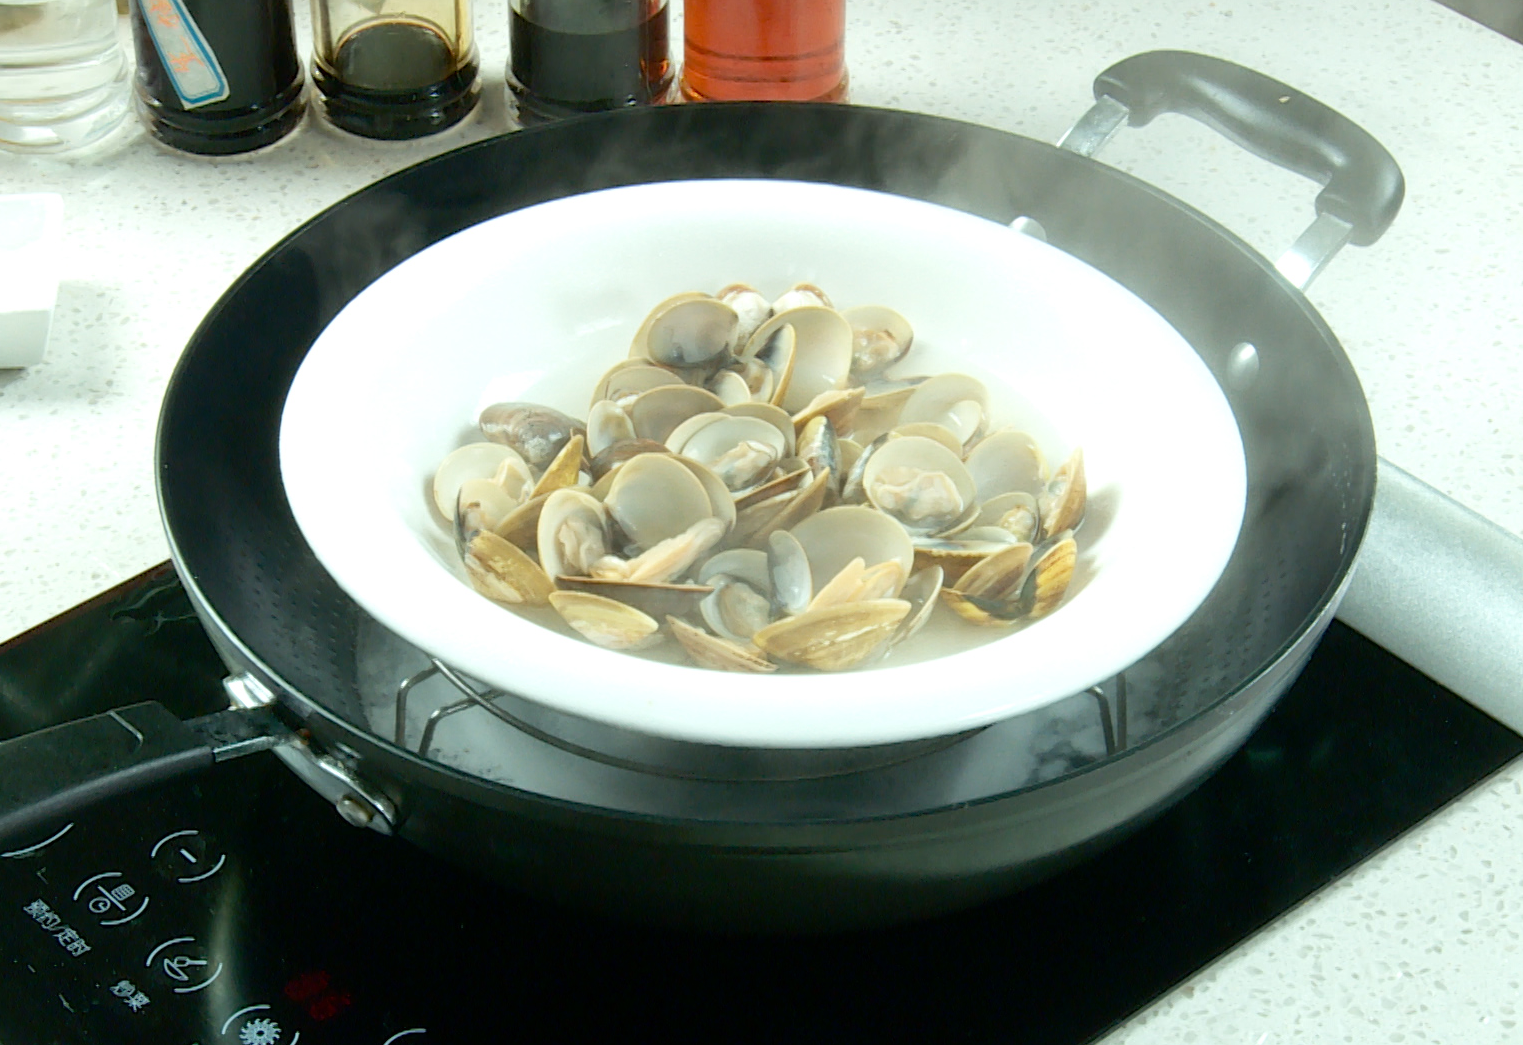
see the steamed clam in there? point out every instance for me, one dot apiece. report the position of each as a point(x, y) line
point(754, 483)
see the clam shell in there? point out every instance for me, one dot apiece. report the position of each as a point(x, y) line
point(689, 332)
point(833, 639)
point(536, 432)
point(800, 295)
point(607, 425)
point(572, 532)
point(741, 451)
point(627, 378)
point(920, 483)
point(657, 413)
point(750, 306)
point(606, 622)
point(835, 536)
point(880, 338)
point(717, 652)
point(957, 401)
point(656, 600)
point(1006, 461)
point(788, 575)
point(1062, 503)
point(477, 461)
point(564, 470)
point(500, 571)
point(655, 496)
point(821, 353)
point(735, 609)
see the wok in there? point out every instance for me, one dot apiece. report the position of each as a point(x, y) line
point(979, 815)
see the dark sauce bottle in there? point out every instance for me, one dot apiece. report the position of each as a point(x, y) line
point(578, 56)
point(217, 76)
point(395, 75)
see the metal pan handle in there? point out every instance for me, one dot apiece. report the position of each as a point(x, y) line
point(1362, 185)
point(56, 771)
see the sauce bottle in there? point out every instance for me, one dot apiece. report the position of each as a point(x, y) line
point(764, 50)
point(216, 76)
point(577, 56)
point(394, 71)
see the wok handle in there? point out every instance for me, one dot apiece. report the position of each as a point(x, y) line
point(54, 772)
point(1362, 185)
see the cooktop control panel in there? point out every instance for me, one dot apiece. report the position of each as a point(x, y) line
point(164, 919)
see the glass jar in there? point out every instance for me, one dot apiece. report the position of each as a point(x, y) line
point(578, 56)
point(764, 50)
point(384, 71)
point(217, 77)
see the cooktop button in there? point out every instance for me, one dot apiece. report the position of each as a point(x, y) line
point(185, 857)
point(248, 1026)
point(184, 964)
point(37, 847)
point(111, 898)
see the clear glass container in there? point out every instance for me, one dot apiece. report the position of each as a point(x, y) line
point(63, 74)
point(577, 56)
point(388, 69)
point(764, 50)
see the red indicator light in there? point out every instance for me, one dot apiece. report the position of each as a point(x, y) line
point(307, 985)
point(329, 1005)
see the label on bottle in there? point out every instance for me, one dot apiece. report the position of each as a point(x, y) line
point(188, 59)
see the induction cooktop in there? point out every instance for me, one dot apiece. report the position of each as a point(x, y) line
point(238, 908)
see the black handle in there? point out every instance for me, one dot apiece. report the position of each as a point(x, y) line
point(1363, 185)
point(52, 772)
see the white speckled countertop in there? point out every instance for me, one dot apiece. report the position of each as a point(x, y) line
point(1421, 943)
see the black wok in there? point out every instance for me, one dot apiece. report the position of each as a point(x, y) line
point(946, 828)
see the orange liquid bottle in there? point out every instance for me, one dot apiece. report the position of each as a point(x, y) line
point(764, 50)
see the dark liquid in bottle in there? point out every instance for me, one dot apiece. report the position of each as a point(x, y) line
point(555, 73)
point(397, 78)
point(256, 48)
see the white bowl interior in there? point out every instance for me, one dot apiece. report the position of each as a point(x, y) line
point(536, 304)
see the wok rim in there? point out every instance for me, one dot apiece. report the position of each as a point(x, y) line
point(421, 769)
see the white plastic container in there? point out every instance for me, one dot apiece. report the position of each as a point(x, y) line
point(31, 233)
point(63, 74)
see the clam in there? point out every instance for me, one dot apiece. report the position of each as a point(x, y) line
point(788, 574)
point(655, 496)
point(654, 600)
point(766, 362)
point(480, 461)
point(664, 561)
point(783, 512)
point(920, 592)
point(956, 401)
point(536, 432)
point(687, 331)
point(572, 532)
point(480, 505)
point(1006, 461)
point(920, 483)
point(775, 416)
point(503, 573)
point(835, 536)
point(988, 593)
point(606, 622)
point(741, 451)
point(880, 338)
point(1062, 503)
point(1016, 513)
point(626, 379)
point(836, 638)
point(716, 651)
point(821, 357)
point(838, 404)
point(752, 308)
point(801, 294)
point(821, 452)
point(656, 413)
point(607, 424)
point(564, 470)
point(880, 409)
point(735, 609)
point(730, 387)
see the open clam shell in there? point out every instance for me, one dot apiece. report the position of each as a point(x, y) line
point(821, 358)
point(606, 622)
point(921, 484)
point(958, 402)
point(833, 639)
point(880, 338)
point(716, 651)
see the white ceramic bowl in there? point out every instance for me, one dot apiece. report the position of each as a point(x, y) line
point(536, 304)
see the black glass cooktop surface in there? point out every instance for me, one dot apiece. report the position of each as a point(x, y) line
point(238, 908)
